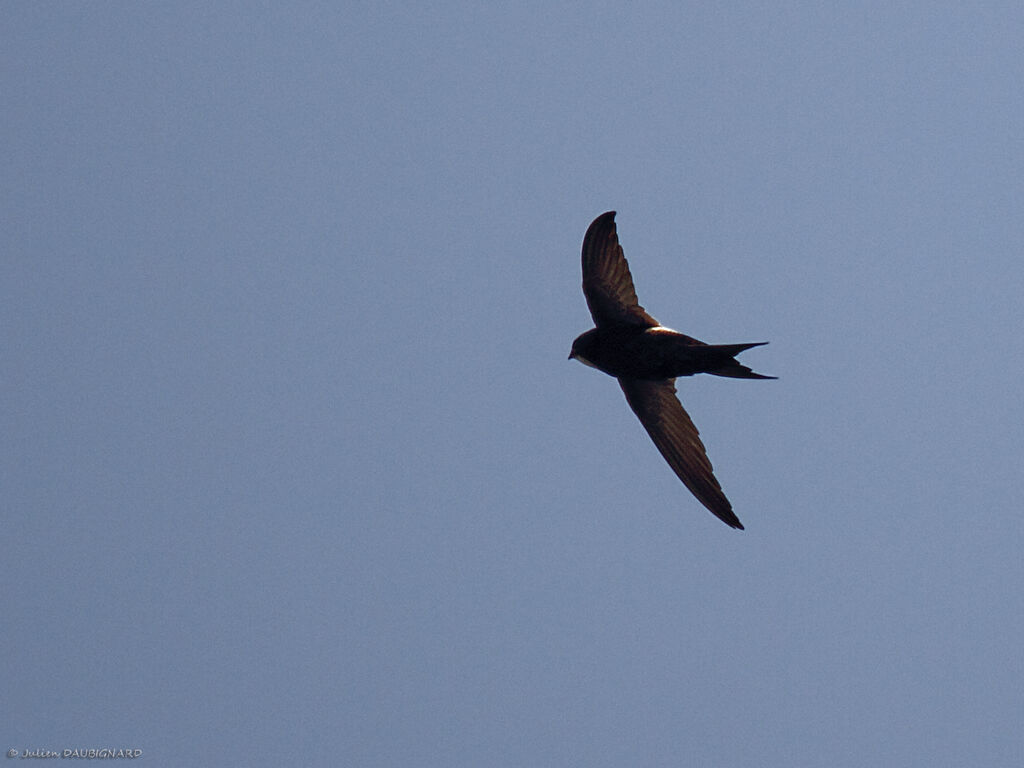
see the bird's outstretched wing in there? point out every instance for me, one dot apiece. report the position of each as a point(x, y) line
point(607, 283)
point(668, 424)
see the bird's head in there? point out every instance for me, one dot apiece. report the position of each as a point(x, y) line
point(580, 347)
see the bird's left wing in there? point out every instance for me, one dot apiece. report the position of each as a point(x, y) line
point(607, 283)
point(659, 410)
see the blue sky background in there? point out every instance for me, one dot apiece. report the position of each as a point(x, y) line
point(295, 470)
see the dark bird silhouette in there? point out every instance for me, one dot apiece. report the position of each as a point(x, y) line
point(646, 358)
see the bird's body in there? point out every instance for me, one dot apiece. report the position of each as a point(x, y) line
point(657, 353)
point(646, 358)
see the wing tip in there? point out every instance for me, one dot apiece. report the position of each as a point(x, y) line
point(728, 517)
point(606, 219)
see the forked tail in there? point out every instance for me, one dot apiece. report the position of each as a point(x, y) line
point(733, 368)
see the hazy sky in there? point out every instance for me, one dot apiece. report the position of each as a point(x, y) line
point(294, 469)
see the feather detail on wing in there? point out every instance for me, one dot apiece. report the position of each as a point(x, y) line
point(607, 283)
point(666, 421)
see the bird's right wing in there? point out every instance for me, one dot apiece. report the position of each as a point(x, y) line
point(607, 283)
point(659, 410)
